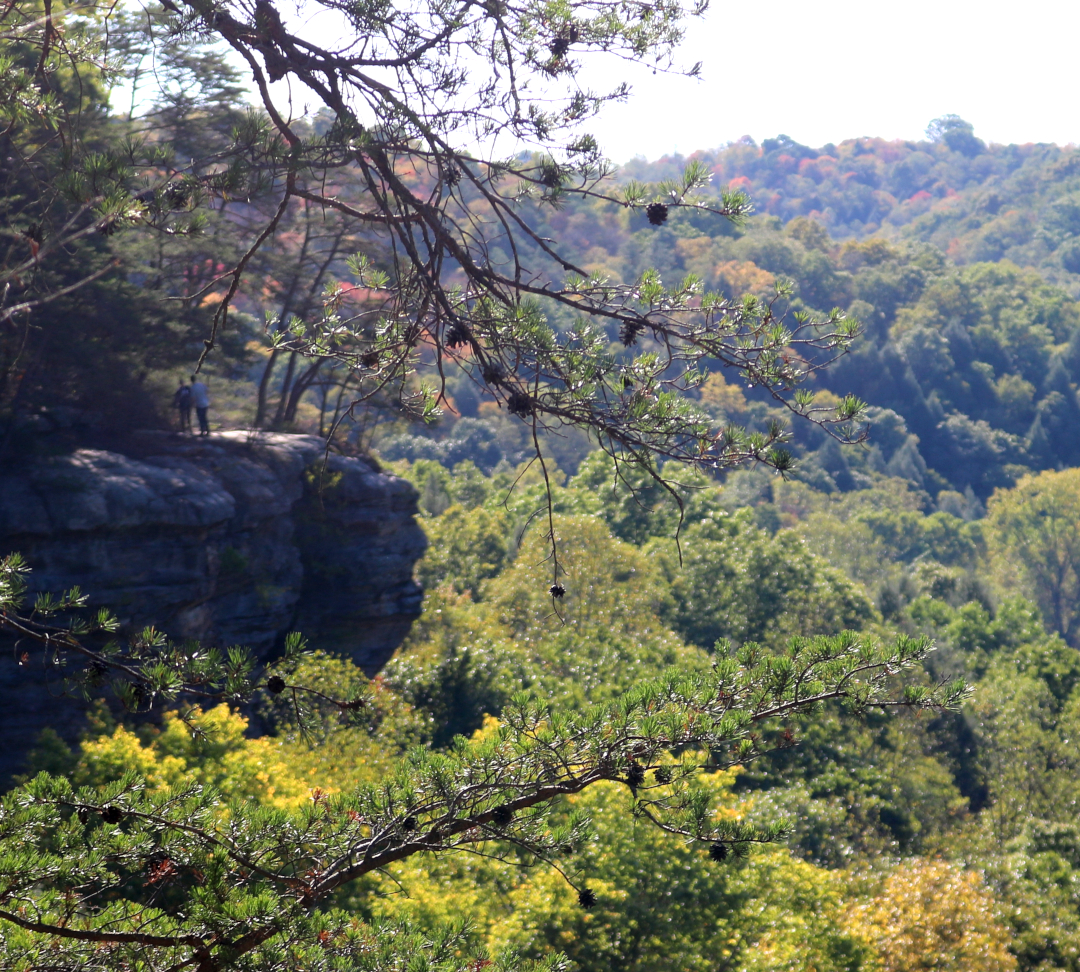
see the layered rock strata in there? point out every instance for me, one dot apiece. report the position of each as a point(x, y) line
point(231, 539)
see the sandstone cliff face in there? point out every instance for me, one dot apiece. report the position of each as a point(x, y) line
point(231, 539)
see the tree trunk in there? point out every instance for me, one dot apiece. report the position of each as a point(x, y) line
point(264, 388)
point(286, 385)
point(300, 386)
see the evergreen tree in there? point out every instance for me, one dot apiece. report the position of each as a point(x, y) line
point(101, 217)
point(456, 271)
point(128, 874)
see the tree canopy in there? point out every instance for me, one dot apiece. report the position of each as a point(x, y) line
point(408, 150)
point(609, 703)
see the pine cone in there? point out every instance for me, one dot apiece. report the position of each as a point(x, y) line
point(657, 213)
point(519, 404)
point(502, 815)
point(112, 815)
point(719, 852)
point(457, 336)
point(275, 685)
point(629, 332)
point(635, 775)
point(556, 590)
point(586, 898)
point(177, 193)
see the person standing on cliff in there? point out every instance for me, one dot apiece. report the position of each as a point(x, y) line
point(200, 397)
point(182, 404)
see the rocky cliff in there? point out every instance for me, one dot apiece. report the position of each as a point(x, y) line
point(235, 538)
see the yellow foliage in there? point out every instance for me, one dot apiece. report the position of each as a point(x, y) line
point(934, 915)
point(110, 757)
point(860, 253)
point(795, 918)
point(722, 396)
point(661, 903)
point(487, 729)
point(609, 584)
point(698, 255)
point(823, 398)
point(744, 277)
point(278, 772)
point(220, 756)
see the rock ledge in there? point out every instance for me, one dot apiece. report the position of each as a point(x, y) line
point(232, 538)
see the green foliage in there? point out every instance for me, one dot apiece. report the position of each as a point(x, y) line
point(569, 624)
point(454, 687)
point(466, 548)
point(660, 901)
point(96, 214)
point(969, 360)
point(1037, 880)
point(967, 368)
point(599, 638)
point(1036, 527)
point(1014, 625)
point(343, 313)
point(191, 877)
point(739, 583)
point(459, 830)
point(859, 791)
point(639, 502)
point(1026, 747)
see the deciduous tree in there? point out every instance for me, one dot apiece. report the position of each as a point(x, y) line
point(1036, 528)
point(177, 877)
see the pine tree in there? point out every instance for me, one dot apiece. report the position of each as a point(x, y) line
point(454, 270)
point(125, 876)
point(129, 876)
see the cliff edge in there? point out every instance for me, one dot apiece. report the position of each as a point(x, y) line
point(236, 538)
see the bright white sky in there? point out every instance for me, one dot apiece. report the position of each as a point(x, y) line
point(825, 70)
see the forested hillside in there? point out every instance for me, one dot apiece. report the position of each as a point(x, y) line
point(973, 201)
point(970, 353)
point(943, 839)
point(952, 254)
point(884, 812)
point(751, 629)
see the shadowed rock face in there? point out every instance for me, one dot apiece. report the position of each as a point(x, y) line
point(231, 539)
